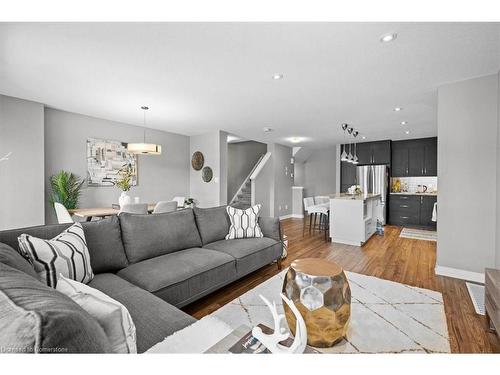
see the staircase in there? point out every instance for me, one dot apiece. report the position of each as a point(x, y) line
point(243, 199)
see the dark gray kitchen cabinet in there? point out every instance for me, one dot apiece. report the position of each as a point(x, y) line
point(400, 158)
point(369, 153)
point(414, 158)
point(411, 210)
point(364, 153)
point(430, 159)
point(381, 152)
point(426, 207)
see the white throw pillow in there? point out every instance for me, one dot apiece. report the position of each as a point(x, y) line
point(66, 253)
point(244, 223)
point(111, 315)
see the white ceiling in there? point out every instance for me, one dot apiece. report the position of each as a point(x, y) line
point(198, 77)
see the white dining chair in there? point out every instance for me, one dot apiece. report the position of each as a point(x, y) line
point(308, 203)
point(321, 199)
point(135, 208)
point(165, 206)
point(179, 200)
point(63, 216)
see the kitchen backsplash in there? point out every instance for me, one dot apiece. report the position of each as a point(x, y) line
point(411, 183)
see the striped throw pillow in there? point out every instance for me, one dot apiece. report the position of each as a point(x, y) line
point(244, 223)
point(111, 315)
point(65, 254)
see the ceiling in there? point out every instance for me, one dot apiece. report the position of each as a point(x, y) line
point(199, 77)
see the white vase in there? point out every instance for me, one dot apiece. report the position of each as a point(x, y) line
point(124, 199)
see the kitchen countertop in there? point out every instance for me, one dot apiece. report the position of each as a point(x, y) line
point(359, 197)
point(434, 194)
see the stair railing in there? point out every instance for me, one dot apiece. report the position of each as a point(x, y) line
point(238, 192)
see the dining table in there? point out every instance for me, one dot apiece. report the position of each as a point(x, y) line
point(89, 213)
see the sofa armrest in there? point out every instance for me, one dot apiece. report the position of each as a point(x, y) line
point(270, 227)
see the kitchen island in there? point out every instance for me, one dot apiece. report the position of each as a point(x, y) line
point(353, 218)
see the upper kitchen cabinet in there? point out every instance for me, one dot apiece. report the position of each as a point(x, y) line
point(374, 152)
point(413, 158)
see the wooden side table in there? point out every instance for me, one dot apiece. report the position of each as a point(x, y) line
point(492, 298)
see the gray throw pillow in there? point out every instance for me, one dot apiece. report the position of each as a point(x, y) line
point(12, 258)
point(37, 319)
point(213, 223)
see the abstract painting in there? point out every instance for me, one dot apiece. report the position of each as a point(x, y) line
point(105, 158)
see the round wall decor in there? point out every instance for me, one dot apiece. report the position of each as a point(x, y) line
point(207, 174)
point(197, 160)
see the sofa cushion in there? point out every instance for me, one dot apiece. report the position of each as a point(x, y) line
point(183, 275)
point(12, 258)
point(250, 253)
point(244, 223)
point(113, 317)
point(154, 318)
point(36, 318)
point(66, 253)
point(213, 223)
point(103, 241)
point(148, 236)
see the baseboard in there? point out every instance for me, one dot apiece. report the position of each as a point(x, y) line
point(290, 216)
point(460, 274)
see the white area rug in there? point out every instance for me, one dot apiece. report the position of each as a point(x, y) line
point(419, 234)
point(386, 317)
point(476, 293)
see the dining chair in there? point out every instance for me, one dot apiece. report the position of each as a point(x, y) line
point(179, 200)
point(135, 208)
point(321, 199)
point(165, 206)
point(308, 203)
point(63, 216)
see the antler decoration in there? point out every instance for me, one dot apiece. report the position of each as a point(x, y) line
point(6, 157)
point(272, 341)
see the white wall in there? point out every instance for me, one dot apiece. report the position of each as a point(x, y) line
point(214, 148)
point(320, 171)
point(467, 173)
point(161, 177)
point(283, 181)
point(22, 176)
point(299, 171)
point(498, 181)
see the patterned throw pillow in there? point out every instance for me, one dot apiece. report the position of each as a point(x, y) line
point(244, 223)
point(66, 253)
point(111, 315)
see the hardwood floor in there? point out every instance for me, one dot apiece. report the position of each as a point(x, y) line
point(389, 257)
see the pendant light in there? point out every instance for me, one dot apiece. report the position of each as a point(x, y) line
point(343, 156)
point(350, 158)
point(355, 159)
point(144, 148)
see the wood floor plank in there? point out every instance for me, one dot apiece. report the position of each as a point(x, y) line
point(389, 257)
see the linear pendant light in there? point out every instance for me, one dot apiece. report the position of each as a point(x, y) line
point(343, 156)
point(144, 148)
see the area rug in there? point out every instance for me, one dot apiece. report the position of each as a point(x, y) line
point(476, 293)
point(419, 234)
point(386, 317)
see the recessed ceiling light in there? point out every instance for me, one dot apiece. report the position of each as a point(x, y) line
point(397, 109)
point(295, 140)
point(363, 137)
point(404, 122)
point(407, 132)
point(386, 38)
point(267, 130)
point(277, 76)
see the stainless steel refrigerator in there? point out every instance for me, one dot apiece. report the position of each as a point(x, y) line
point(374, 179)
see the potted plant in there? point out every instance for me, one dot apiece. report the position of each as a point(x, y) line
point(66, 189)
point(189, 202)
point(124, 183)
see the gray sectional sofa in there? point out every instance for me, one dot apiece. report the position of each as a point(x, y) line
point(153, 264)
